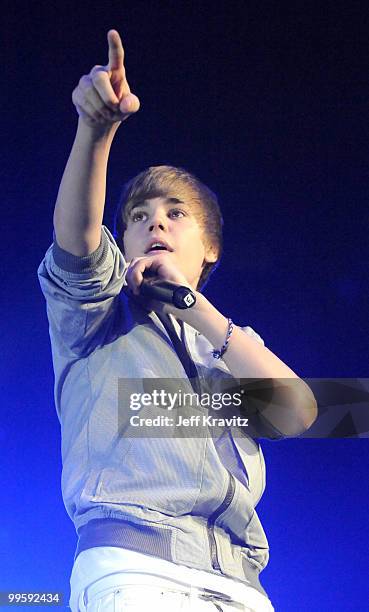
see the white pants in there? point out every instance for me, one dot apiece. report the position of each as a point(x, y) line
point(112, 579)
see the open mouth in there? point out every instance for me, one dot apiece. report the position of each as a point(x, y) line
point(158, 247)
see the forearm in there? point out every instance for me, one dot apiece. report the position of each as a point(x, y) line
point(284, 399)
point(80, 203)
point(245, 357)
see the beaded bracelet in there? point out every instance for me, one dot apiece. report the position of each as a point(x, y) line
point(218, 353)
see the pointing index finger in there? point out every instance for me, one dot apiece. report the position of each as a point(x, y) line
point(116, 51)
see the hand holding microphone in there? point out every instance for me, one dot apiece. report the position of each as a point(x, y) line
point(155, 278)
point(168, 292)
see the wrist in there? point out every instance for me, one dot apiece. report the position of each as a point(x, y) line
point(206, 319)
point(97, 134)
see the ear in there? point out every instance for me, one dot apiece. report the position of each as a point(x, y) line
point(211, 254)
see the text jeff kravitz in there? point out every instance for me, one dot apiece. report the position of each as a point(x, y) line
point(192, 421)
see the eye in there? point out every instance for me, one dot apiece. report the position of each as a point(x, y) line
point(177, 210)
point(137, 216)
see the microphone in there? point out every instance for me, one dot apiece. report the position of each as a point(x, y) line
point(168, 292)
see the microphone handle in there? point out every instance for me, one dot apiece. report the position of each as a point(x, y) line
point(168, 292)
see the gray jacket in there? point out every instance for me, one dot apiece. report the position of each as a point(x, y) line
point(189, 500)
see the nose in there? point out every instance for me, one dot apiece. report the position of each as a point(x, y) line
point(158, 220)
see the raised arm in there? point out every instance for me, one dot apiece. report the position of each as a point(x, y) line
point(103, 100)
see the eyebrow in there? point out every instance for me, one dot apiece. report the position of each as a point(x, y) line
point(145, 204)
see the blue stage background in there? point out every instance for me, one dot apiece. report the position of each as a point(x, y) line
point(268, 104)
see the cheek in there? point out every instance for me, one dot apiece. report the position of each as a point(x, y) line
point(195, 254)
point(129, 252)
point(125, 245)
point(130, 245)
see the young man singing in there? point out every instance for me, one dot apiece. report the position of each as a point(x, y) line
point(163, 522)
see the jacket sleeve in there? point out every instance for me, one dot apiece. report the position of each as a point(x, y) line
point(81, 294)
point(251, 332)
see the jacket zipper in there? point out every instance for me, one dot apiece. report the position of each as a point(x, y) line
point(231, 485)
point(213, 517)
